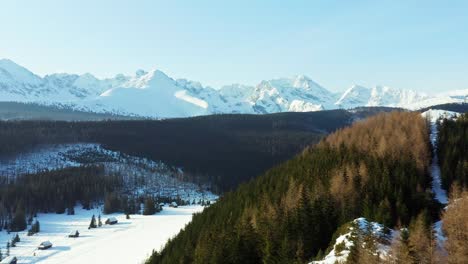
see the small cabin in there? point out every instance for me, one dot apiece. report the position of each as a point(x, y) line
point(74, 234)
point(111, 221)
point(9, 260)
point(45, 245)
point(173, 204)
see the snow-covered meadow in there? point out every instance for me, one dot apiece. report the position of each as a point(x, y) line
point(129, 241)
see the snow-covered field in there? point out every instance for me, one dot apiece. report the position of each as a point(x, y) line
point(129, 241)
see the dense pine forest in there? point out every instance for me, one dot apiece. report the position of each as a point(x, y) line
point(223, 150)
point(377, 168)
point(55, 191)
point(453, 150)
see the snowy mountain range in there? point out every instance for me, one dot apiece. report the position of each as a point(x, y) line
point(154, 94)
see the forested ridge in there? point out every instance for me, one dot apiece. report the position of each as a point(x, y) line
point(223, 150)
point(377, 168)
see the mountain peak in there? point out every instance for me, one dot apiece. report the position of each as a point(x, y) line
point(155, 94)
point(18, 73)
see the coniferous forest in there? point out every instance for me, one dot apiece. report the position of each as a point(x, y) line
point(453, 150)
point(377, 168)
point(223, 150)
point(55, 191)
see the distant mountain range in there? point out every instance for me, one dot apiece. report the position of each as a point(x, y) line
point(154, 94)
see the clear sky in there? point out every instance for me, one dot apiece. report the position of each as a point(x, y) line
point(409, 44)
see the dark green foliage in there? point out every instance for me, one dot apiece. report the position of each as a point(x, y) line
point(454, 107)
point(15, 240)
point(223, 150)
point(290, 213)
point(53, 191)
point(112, 203)
point(18, 223)
point(149, 206)
point(35, 228)
point(92, 224)
point(453, 151)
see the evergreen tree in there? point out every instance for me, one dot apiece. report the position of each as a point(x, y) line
point(399, 252)
point(99, 221)
point(92, 224)
point(421, 240)
point(455, 226)
point(367, 248)
point(149, 207)
point(71, 210)
point(18, 223)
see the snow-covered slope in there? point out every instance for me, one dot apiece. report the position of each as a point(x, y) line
point(154, 94)
point(379, 96)
point(341, 249)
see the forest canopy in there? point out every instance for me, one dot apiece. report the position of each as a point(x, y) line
point(290, 213)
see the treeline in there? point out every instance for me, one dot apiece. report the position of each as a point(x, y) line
point(289, 214)
point(453, 151)
point(454, 107)
point(55, 191)
point(223, 150)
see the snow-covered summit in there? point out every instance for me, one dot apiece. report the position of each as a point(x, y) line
point(154, 94)
point(379, 96)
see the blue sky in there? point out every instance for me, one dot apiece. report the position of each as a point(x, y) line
point(420, 45)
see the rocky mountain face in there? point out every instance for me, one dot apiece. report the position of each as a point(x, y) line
point(154, 94)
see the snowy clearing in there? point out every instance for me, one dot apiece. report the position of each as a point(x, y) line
point(128, 241)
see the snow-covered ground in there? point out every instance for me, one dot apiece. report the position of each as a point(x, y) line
point(129, 241)
point(142, 176)
point(440, 194)
point(346, 241)
point(435, 116)
point(42, 158)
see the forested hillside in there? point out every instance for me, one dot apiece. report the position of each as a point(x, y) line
point(377, 168)
point(223, 150)
point(453, 151)
point(52, 191)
